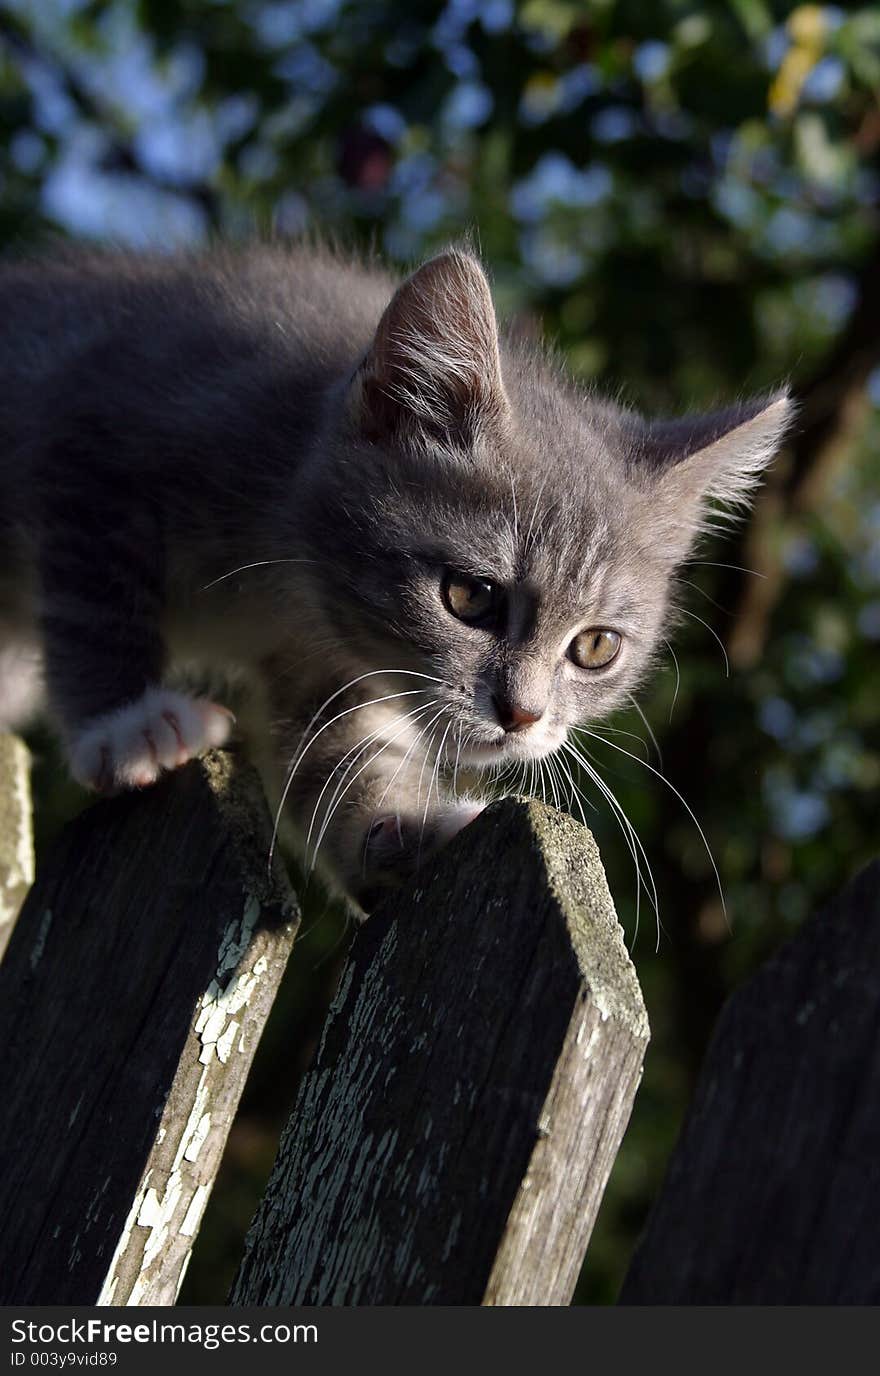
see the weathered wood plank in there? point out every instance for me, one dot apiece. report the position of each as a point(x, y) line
point(452, 1141)
point(135, 988)
point(16, 832)
point(773, 1192)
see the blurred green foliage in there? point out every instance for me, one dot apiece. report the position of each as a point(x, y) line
point(684, 197)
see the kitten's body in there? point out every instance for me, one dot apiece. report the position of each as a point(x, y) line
point(165, 422)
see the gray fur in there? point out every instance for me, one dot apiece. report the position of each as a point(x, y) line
point(164, 422)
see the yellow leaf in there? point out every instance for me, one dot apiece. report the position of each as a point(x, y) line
point(786, 86)
point(808, 26)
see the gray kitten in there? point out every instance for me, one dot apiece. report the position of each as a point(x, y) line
point(425, 550)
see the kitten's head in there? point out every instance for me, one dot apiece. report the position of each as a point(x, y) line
point(498, 530)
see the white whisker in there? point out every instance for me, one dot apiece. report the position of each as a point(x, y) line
point(357, 751)
point(337, 798)
point(629, 832)
point(648, 729)
point(574, 791)
point(696, 587)
point(427, 754)
point(435, 778)
point(684, 803)
point(409, 751)
point(685, 612)
point(303, 749)
point(623, 822)
point(616, 731)
point(740, 568)
point(457, 761)
point(677, 679)
point(259, 564)
point(551, 778)
point(352, 683)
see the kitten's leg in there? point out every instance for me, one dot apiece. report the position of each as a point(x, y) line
point(397, 843)
point(101, 576)
point(363, 815)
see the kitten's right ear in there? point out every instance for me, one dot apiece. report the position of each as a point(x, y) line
point(720, 457)
point(434, 366)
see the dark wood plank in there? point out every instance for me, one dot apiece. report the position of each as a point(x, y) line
point(773, 1192)
point(132, 996)
point(452, 1141)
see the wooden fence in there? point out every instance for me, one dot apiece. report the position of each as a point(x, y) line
point(453, 1138)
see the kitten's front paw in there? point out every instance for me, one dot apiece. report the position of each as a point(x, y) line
point(398, 843)
point(131, 747)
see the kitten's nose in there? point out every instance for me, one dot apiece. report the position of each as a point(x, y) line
point(513, 717)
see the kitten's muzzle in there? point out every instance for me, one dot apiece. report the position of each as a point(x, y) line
point(514, 717)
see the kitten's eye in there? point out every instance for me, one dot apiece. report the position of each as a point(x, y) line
point(469, 599)
point(595, 648)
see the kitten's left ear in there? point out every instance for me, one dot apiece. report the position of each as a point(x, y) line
point(719, 457)
point(434, 364)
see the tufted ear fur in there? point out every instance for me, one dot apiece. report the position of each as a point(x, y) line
point(433, 367)
point(719, 457)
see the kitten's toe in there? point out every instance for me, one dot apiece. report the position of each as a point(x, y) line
point(397, 844)
point(131, 747)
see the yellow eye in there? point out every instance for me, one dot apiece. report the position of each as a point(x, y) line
point(469, 599)
point(595, 648)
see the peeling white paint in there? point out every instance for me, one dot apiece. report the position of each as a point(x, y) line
point(150, 1211)
point(190, 1225)
point(173, 1204)
point(108, 1289)
point(210, 1022)
point(159, 1228)
point(224, 1042)
point(219, 1005)
point(197, 1112)
point(197, 1141)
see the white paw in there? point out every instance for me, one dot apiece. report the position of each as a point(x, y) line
point(393, 836)
point(131, 747)
point(456, 817)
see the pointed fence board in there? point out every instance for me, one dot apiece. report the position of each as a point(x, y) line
point(452, 1141)
point(773, 1192)
point(135, 988)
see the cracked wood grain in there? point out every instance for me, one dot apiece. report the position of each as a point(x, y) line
point(136, 985)
point(452, 1141)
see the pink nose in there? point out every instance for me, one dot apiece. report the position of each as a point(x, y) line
point(514, 718)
